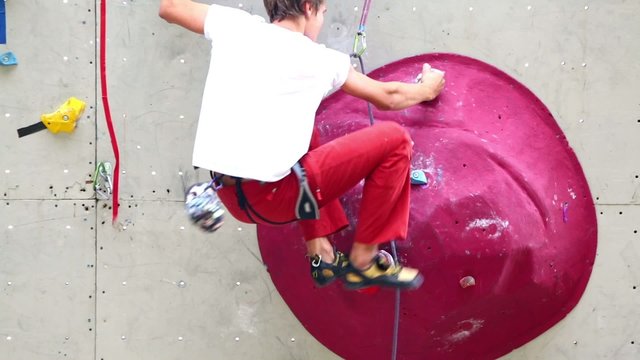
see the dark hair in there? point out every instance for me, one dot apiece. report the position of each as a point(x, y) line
point(281, 9)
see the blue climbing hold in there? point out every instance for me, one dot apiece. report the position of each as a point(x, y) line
point(8, 59)
point(418, 177)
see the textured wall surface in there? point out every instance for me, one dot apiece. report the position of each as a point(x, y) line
point(72, 286)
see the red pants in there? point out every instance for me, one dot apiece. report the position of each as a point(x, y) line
point(379, 154)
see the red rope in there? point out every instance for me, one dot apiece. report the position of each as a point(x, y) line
point(105, 103)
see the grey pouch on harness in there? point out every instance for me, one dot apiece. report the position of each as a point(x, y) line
point(306, 206)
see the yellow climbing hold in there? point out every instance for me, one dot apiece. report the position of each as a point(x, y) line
point(64, 119)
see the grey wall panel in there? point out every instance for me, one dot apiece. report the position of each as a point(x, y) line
point(47, 280)
point(610, 101)
point(604, 324)
point(167, 291)
point(54, 43)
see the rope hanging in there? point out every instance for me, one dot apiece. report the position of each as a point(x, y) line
point(105, 103)
point(359, 48)
point(365, 15)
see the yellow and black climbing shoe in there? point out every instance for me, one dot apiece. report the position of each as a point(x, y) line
point(324, 273)
point(383, 272)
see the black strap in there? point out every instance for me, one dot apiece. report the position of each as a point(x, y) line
point(248, 209)
point(22, 132)
point(306, 205)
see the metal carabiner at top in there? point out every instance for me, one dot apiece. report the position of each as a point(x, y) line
point(360, 43)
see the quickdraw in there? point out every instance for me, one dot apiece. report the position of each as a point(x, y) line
point(102, 183)
point(360, 42)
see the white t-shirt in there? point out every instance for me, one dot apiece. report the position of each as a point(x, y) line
point(264, 86)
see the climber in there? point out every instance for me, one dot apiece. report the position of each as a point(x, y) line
point(256, 134)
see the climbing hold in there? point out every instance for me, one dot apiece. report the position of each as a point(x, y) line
point(467, 281)
point(63, 119)
point(418, 177)
point(8, 59)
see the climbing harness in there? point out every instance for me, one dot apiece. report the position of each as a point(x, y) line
point(306, 205)
point(359, 48)
point(105, 103)
point(205, 208)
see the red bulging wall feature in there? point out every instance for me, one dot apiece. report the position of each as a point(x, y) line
point(504, 232)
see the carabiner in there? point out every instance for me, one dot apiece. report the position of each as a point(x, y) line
point(360, 44)
point(102, 183)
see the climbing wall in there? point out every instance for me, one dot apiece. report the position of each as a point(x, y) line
point(150, 286)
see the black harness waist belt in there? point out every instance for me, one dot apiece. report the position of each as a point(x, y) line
point(306, 204)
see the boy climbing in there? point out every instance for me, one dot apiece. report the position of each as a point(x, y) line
point(256, 133)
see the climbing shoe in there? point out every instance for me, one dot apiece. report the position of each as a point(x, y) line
point(324, 273)
point(383, 272)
